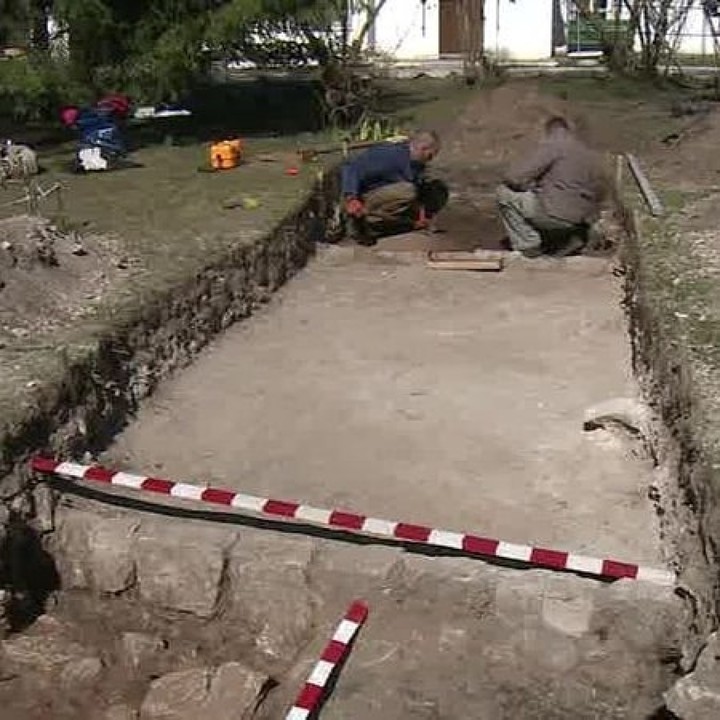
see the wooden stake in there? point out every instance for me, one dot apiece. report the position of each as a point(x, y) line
point(652, 200)
point(619, 172)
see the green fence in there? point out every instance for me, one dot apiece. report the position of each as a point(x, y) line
point(596, 33)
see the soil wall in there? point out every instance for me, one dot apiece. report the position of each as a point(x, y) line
point(687, 492)
point(83, 400)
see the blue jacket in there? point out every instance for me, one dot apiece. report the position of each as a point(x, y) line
point(97, 129)
point(380, 165)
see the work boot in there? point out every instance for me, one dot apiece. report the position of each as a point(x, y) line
point(574, 246)
point(356, 231)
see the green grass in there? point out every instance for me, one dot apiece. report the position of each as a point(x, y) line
point(167, 206)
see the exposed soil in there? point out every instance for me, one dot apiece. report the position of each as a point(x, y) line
point(49, 278)
point(449, 399)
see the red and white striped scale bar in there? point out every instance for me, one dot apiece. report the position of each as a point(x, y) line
point(361, 524)
point(310, 697)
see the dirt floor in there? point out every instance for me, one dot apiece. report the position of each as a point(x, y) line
point(450, 399)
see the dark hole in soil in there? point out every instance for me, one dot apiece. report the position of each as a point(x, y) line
point(663, 714)
point(459, 228)
point(30, 571)
point(472, 227)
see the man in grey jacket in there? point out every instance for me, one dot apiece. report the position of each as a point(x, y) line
point(554, 193)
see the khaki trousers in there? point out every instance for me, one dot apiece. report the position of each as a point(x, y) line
point(525, 219)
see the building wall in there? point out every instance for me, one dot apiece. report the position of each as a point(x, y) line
point(520, 30)
point(399, 29)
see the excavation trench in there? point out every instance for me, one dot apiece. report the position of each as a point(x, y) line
point(339, 394)
point(369, 384)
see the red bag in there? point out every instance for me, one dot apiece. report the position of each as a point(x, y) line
point(118, 105)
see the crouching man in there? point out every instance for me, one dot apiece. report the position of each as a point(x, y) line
point(385, 191)
point(550, 200)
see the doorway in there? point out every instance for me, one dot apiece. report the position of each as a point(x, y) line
point(450, 35)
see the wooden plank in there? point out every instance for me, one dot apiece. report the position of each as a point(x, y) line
point(478, 254)
point(652, 200)
point(476, 265)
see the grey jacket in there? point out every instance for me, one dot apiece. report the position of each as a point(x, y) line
point(567, 177)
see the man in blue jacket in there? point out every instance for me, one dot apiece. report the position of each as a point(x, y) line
point(385, 190)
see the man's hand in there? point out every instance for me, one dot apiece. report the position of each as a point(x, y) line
point(354, 207)
point(422, 221)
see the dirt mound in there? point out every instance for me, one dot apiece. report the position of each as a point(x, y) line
point(694, 144)
point(503, 122)
point(47, 276)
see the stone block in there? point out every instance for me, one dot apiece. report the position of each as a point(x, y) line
point(271, 593)
point(81, 673)
point(230, 692)
point(95, 550)
point(180, 566)
point(139, 650)
point(120, 712)
point(697, 695)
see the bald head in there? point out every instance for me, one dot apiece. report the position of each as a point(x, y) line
point(424, 146)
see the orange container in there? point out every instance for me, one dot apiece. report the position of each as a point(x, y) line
point(239, 146)
point(225, 155)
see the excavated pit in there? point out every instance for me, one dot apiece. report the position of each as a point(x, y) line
point(169, 614)
point(121, 613)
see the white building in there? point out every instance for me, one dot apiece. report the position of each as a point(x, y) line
point(519, 30)
point(430, 29)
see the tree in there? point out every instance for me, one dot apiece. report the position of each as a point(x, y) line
point(655, 24)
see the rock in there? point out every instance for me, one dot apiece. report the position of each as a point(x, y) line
point(231, 692)
point(177, 696)
point(180, 566)
point(340, 560)
point(78, 249)
point(45, 647)
point(81, 673)
point(697, 695)
point(269, 585)
point(560, 603)
point(96, 550)
point(139, 650)
point(567, 605)
point(644, 617)
point(235, 692)
point(44, 508)
point(627, 413)
point(120, 712)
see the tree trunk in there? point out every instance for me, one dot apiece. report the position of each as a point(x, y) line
point(39, 16)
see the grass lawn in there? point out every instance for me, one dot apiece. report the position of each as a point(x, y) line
point(167, 205)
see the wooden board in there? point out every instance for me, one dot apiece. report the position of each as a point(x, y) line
point(652, 200)
point(472, 264)
point(479, 254)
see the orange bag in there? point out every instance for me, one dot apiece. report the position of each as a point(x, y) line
point(226, 154)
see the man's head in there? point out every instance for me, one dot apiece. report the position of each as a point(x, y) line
point(556, 125)
point(424, 146)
